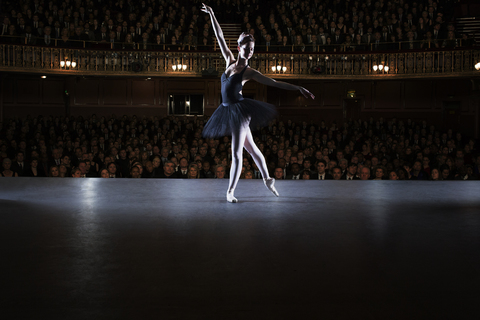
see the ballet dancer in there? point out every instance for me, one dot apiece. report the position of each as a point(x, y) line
point(236, 114)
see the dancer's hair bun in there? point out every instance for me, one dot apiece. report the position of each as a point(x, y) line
point(245, 38)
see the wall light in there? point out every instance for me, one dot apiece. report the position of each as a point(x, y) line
point(477, 66)
point(177, 66)
point(279, 69)
point(67, 64)
point(382, 66)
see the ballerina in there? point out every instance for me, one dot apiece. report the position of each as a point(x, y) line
point(236, 114)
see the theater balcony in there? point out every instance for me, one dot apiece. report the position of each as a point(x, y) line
point(313, 63)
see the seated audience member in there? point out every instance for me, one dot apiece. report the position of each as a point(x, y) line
point(249, 174)
point(7, 172)
point(128, 43)
point(34, 170)
point(294, 172)
point(169, 171)
point(307, 165)
point(183, 168)
point(149, 171)
point(426, 166)
point(337, 173)
point(63, 171)
point(54, 172)
point(435, 175)
point(193, 172)
point(306, 174)
point(429, 42)
point(393, 175)
point(135, 172)
point(206, 170)
point(365, 173)
point(351, 172)
point(157, 166)
point(220, 171)
point(450, 41)
point(64, 41)
point(402, 174)
point(82, 165)
point(321, 171)
point(19, 165)
point(77, 173)
point(466, 40)
point(417, 173)
point(104, 173)
point(379, 173)
point(445, 172)
point(278, 173)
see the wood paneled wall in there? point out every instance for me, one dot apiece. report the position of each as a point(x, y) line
point(422, 99)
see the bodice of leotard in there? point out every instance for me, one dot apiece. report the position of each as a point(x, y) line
point(231, 87)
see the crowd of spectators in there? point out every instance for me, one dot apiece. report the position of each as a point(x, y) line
point(310, 25)
point(173, 147)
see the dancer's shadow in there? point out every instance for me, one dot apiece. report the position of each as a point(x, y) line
point(282, 199)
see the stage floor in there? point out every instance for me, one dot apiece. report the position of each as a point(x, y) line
point(175, 249)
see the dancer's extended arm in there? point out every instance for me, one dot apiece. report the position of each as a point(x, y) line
point(227, 54)
point(257, 76)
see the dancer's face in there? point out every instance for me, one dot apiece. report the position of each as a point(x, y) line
point(245, 51)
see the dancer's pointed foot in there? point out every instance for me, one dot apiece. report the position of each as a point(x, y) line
point(269, 183)
point(231, 198)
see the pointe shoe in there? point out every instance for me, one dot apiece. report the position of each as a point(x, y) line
point(231, 198)
point(269, 183)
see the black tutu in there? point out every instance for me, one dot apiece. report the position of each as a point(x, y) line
point(236, 114)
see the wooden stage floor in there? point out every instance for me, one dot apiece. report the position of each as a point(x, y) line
point(175, 249)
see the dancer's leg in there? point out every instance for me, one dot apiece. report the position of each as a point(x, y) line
point(256, 154)
point(259, 159)
point(238, 140)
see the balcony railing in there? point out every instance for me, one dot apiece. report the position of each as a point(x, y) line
point(335, 64)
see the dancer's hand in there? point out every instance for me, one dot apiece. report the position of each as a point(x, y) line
point(206, 9)
point(307, 94)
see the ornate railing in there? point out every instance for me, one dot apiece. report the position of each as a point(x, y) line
point(48, 60)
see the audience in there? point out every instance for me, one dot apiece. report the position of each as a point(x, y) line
point(172, 147)
point(303, 26)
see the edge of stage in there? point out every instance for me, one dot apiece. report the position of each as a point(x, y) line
point(124, 248)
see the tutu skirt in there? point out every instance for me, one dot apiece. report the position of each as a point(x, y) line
point(236, 115)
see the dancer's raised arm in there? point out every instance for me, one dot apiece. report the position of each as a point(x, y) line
point(227, 54)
